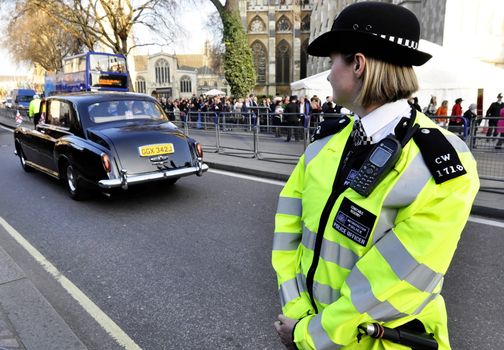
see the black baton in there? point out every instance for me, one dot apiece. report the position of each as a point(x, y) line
point(416, 341)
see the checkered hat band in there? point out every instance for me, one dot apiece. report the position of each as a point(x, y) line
point(401, 41)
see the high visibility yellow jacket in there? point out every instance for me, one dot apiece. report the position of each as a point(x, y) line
point(380, 258)
point(34, 107)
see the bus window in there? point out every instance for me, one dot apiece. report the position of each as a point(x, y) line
point(90, 71)
point(81, 64)
point(67, 66)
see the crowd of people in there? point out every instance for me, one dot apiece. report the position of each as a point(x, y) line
point(459, 121)
point(288, 111)
point(291, 111)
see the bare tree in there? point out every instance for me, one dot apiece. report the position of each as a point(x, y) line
point(41, 42)
point(106, 22)
point(111, 22)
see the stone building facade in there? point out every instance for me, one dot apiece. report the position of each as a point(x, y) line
point(278, 32)
point(176, 76)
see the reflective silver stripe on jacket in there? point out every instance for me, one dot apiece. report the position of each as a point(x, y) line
point(325, 294)
point(308, 239)
point(314, 149)
point(319, 335)
point(365, 301)
point(330, 251)
point(405, 266)
point(292, 289)
point(286, 240)
point(385, 223)
point(409, 185)
point(457, 143)
point(288, 291)
point(289, 206)
point(425, 303)
point(404, 192)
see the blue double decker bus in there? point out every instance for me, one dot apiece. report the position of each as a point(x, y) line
point(91, 71)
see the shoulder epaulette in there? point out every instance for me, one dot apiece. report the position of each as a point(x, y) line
point(439, 154)
point(330, 126)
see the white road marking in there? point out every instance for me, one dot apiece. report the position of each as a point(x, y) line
point(101, 318)
point(6, 128)
point(486, 221)
point(248, 177)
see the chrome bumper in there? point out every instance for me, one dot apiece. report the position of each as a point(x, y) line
point(158, 175)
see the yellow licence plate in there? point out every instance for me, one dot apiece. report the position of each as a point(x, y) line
point(156, 150)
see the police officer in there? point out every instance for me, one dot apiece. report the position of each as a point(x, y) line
point(34, 109)
point(370, 218)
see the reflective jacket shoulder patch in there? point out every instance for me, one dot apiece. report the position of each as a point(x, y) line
point(439, 154)
point(330, 126)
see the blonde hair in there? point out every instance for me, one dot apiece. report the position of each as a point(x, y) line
point(385, 82)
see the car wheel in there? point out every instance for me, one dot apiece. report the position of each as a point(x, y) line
point(22, 159)
point(72, 182)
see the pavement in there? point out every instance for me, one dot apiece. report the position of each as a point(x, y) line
point(28, 321)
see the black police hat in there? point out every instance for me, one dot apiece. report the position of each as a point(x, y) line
point(384, 31)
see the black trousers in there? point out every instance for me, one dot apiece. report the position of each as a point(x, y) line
point(290, 130)
point(36, 118)
point(492, 127)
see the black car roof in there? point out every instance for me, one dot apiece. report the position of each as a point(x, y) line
point(92, 97)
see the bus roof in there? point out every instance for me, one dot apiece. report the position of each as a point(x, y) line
point(93, 53)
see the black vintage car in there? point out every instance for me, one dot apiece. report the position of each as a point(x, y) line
point(105, 141)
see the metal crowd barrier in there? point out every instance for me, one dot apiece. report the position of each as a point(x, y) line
point(484, 142)
point(487, 147)
point(8, 117)
point(457, 125)
point(262, 137)
point(257, 133)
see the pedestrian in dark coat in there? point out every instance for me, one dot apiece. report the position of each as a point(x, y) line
point(493, 112)
point(291, 113)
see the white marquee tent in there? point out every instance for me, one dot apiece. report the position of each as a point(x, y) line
point(215, 92)
point(446, 76)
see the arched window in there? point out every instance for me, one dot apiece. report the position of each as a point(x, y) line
point(305, 24)
point(304, 59)
point(162, 71)
point(260, 57)
point(283, 62)
point(140, 85)
point(283, 24)
point(257, 25)
point(185, 84)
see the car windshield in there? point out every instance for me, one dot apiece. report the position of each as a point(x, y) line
point(24, 98)
point(108, 111)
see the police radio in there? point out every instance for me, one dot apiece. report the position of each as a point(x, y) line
point(381, 160)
